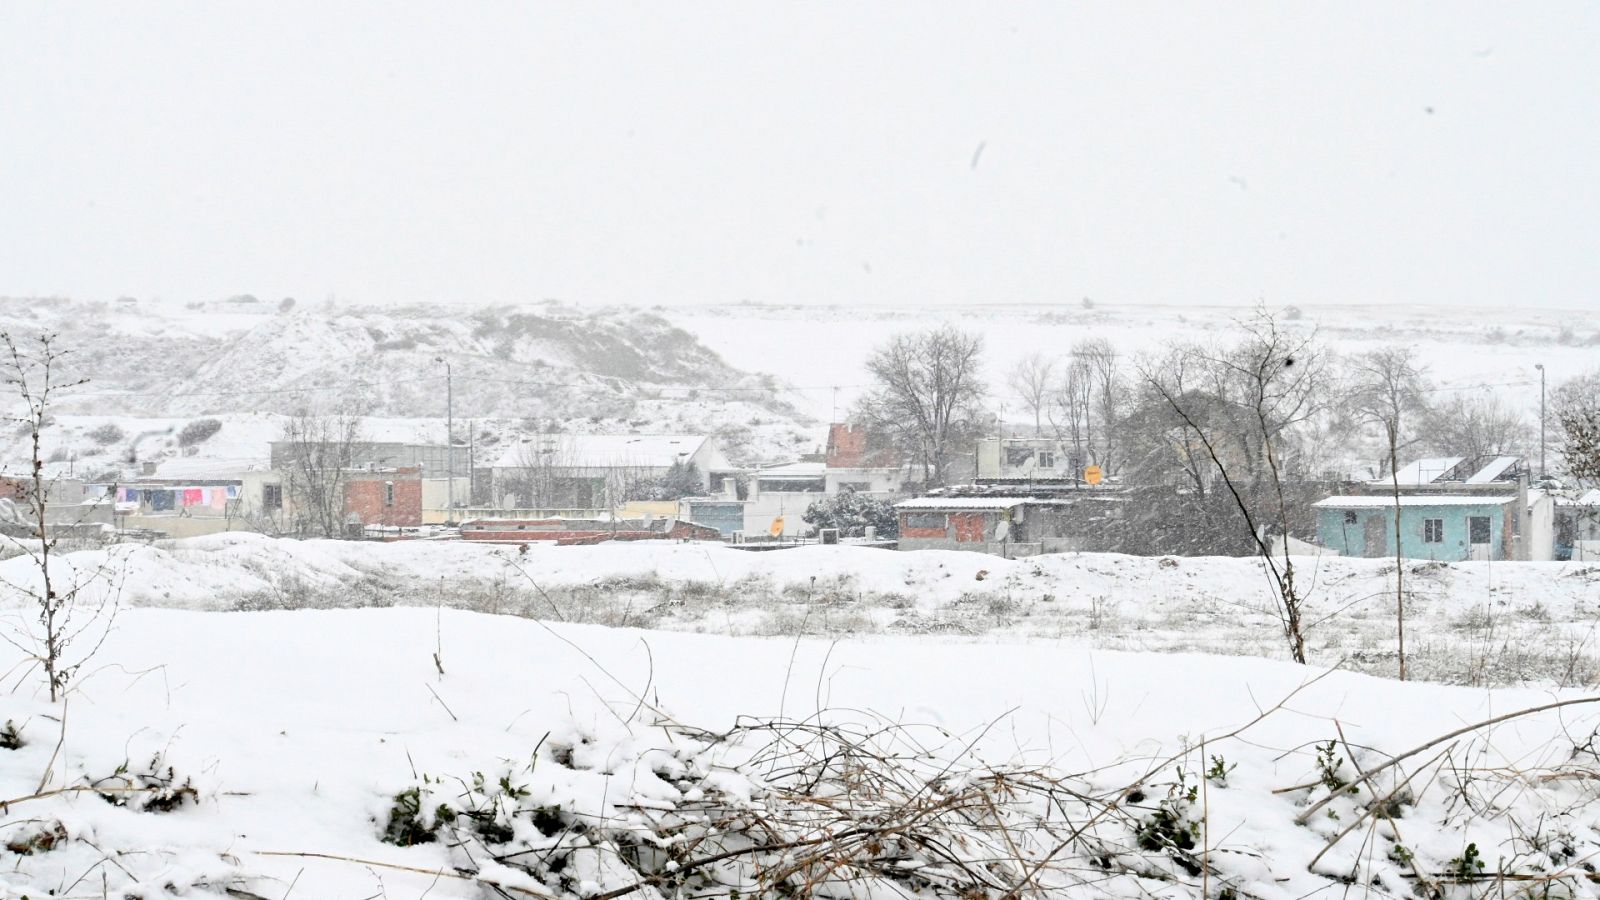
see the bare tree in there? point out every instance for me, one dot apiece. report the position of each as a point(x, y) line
point(542, 478)
point(927, 392)
point(1576, 403)
point(33, 372)
point(1071, 407)
point(1240, 405)
point(1107, 398)
point(1031, 379)
point(320, 455)
point(1477, 425)
point(1389, 390)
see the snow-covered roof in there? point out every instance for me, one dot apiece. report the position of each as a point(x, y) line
point(1429, 471)
point(1590, 497)
point(209, 468)
point(600, 451)
point(1377, 501)
point(1424, 471)
point(1492, 472)
point(962, 503)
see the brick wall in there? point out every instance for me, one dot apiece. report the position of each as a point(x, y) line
point(368, 499)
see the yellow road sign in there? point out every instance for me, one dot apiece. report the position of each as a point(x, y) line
point(777, 527)
point(1092, 474)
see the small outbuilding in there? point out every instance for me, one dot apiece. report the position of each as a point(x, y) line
point(1445, 527)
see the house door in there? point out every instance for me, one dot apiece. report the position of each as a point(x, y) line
point(1374, 531)
point(1478, 546)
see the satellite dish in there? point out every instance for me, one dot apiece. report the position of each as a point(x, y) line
point(1002, 530)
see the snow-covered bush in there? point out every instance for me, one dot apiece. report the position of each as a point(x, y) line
point(198, 432)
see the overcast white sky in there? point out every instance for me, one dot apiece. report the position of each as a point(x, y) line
point(827, 152)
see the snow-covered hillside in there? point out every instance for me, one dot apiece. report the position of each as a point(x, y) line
point(153, 366)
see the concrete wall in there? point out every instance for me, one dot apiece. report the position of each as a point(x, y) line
point(1349, 538)
point(727, 516)
point(436, 499)
point(1026, 458)
point(762, 509)
point(878, 481)
point(1540, 527)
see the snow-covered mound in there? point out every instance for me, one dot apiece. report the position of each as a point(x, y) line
point(153, 368)
point(1468, 623)
point(411, 752)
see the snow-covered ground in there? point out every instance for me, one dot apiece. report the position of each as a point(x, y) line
point(300, 733)
point(874, 724)
point(1468, 623)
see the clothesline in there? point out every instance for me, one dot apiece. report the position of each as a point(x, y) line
point(164, 499)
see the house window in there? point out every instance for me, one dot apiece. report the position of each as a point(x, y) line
point(1349, 517)
point(388, 493)
point(1433, 531)
point(272, 496)
point(1047, 459)
point(1477, 529)
point(926, 520)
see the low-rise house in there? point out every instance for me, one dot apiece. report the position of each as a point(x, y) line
point(446, 472)
point(1005, 526)
point(1451, 509)
point(185, 497)
point(725, 514)
point(1445, 527)
point(1035, 460)
point(776, 502)
point(862, 460)
point(72, 507)
point(391, 498)
point(1577, 526)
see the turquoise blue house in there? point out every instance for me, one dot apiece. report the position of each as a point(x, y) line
point(1447, 527)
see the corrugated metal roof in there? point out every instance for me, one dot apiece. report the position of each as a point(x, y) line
point(962, 503)
point(1376, 502)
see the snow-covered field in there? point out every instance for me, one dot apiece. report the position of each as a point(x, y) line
point(1468, 623)
point(868, 724)
point(270, 754)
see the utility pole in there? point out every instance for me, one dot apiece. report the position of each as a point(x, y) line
point(1540, 367)
point(449, 438)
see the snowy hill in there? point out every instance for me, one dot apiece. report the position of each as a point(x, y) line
point(153, 366)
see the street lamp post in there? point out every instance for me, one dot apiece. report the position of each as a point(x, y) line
point(1540, 367)
point(449, 437)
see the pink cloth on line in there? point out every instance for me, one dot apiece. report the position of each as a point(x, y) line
point(192, 496)
point(219, 498)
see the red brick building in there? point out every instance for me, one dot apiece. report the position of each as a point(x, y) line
point(384, 498)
